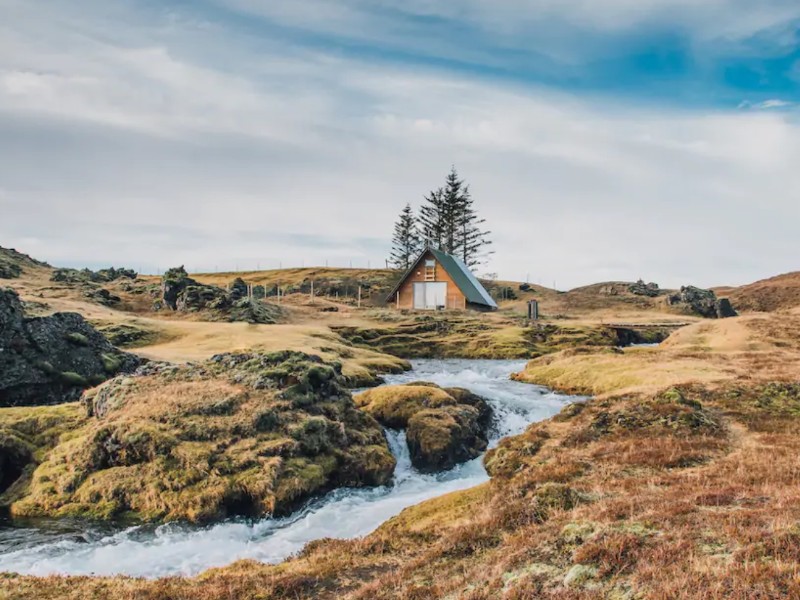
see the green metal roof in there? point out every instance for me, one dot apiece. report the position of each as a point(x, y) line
point(460, 273)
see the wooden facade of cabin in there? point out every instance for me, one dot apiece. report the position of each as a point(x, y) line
point(443, 294)
point(440, 281)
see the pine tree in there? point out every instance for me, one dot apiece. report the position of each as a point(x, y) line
point(471, 239)
point(433, 220)
point(406, 243)
point(451, 224)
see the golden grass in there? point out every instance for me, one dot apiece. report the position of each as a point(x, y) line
point(394, 405)
point(761, 347)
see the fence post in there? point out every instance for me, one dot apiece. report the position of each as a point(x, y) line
point(312, 291)
point(359, 296)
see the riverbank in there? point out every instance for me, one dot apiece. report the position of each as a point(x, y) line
point(345, 513)
point(682, 492)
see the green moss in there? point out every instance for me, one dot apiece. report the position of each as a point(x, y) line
point(111, 364)
point(580, 575)
point(46, 367)
point(77, 338)
point(73, 379)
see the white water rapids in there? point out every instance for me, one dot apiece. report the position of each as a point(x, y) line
point(148, 551)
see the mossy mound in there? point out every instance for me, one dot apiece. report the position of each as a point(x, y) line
point(238, 435)
point(444, 426)
point(457, 335)
point(439, 439)
point(26, 435)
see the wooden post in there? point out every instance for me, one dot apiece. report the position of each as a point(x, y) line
point(359, 296)
point(398, 299)
point(312, 291)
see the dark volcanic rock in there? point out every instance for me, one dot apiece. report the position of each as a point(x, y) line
point(10, 271)
point(640, 288)
point(102, 296)
point(699, 301)
point(725, 309)
point(174, 282)
point(238, 289)
point(182, 293)
point(13, 263)
point(88, 276)
point(48, 360)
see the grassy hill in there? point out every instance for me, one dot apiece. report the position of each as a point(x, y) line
point(776, 293)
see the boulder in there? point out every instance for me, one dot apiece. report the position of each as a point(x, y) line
point(439, 439)
point(444, 426)
point(102, 296)
point(183, 294)
point(173, 283)
point(701, 302)
point(89, 276)
point(725, 309)
point(238, 289)
point(10, 271)
point(49, 360)
point(640, 288)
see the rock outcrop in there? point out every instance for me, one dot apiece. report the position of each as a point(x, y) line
point(444, 427)
point(238, 435)
point(181, 293)
point(49, 360)
point(702, 302)
point(13, 263)
point(640, 288)
point(88, 276)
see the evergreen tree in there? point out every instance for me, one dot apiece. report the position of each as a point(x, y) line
point(451, 224)
point(406, 243)
point(471, 239)
point(433, 220)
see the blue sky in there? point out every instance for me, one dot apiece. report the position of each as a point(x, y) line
point(614, 140)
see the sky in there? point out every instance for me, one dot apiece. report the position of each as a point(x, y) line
point(615, 140)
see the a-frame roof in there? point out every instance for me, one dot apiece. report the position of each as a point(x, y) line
point(460, 273)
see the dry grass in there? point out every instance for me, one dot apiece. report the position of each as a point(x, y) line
point(708, 508)
point(758, 347)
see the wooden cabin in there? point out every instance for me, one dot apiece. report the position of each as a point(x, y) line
point(440, 281)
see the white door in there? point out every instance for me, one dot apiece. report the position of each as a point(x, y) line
point(430, 295)
point(419, 296)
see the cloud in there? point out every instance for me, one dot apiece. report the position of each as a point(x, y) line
point(154, 137)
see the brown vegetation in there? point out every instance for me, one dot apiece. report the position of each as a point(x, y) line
point(687, 493)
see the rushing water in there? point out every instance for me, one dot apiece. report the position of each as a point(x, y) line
point(152, 551)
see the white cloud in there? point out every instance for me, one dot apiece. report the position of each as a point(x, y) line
point(188, 144)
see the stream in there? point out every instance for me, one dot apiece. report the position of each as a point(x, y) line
point(78, 548)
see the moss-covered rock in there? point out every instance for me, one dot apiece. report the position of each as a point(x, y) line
point(27, 434)
point(49, 360)
point(439, 439)
point(445, 427)
point(241, 434)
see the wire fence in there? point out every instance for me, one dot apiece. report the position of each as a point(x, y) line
point(255, 266)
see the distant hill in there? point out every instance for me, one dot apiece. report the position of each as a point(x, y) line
point(13, 263)
point(768, 295)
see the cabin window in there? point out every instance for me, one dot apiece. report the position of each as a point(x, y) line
point(430, 270)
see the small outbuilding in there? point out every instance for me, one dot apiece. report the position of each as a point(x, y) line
point(440, 281)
